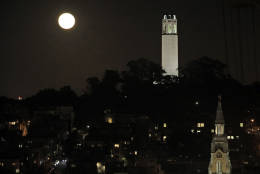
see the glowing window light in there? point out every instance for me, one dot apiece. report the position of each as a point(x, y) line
point(212, 131)
point(109, 120)
point(200, 125)
point(164, 138)
point(228, 137)
point(164, 125)
point(198, 131)
point(12, 123)
point(100, 167)
point(116, 145)
point(241, 124)
point(192, 130)
point(98, 164)
point(136, 153)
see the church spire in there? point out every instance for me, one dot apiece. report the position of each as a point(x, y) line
point(219, 114)
point(219, 160)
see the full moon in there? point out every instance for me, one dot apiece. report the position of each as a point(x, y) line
point(66, 21)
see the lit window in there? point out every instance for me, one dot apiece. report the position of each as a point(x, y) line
point(232, 137)
point(155, 83)
point(156, 127)
point(132, 138)
point(12, 123)
point(116, 145)
point(150, 135)
point(198, 131)
point(98, 164)
point(100, 167)
point(197, 103)
point(241, 124)
point(17, 171)
point(200, 124)
point(164, 138)
point(109, 120)
point(212, 130)
point(252, 120)
point(136, 153)
point(164, 125)
point(228, 137)
point(237, 137)
point(192, 130)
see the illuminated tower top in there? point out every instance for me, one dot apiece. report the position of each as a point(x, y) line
point(169, 25)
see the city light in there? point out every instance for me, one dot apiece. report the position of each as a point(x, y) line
point(136, 153)
point(200, 124)
point(164, 138)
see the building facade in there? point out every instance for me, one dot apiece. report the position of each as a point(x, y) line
point(170, 45)
point(219, 161)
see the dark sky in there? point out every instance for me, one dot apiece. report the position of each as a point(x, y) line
point(36, 53)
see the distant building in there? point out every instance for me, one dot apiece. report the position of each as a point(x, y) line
point(170, 45)
point(219, 161)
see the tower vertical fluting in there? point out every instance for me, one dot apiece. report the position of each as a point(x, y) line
point(170, 61)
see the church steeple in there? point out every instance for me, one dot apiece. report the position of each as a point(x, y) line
point(219, 122)
point(219, 161)
point(219, 115)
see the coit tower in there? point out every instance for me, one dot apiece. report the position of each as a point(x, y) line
point(170, 45)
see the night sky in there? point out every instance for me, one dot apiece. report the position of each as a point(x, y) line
point(36, 53)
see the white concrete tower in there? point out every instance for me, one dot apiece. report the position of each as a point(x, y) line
point(170, 45)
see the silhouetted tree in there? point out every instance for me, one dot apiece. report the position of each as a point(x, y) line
point(53, 97)
point(204, 70)
point(93, 85)
point(143, 70)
